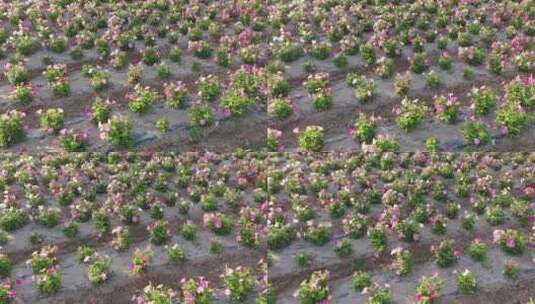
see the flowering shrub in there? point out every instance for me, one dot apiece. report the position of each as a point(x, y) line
point(510, 270)
point(100, 110)
point(141, 260)
point(51, 120)
point(519, 92)
point(524, 62)
point(117, 131)
point(289, 52)
point(272, 140)
point(175, 254)
point(56, 75)
point(316, 82)
point(394, 194)
point(135, 73)
point(402, 261)
point(495, 215)
point(368, 54)
point(162, 125)
point(318, 234)
point(49, 217)
point(200, 49)
point(312, 138)
point(377, 237)
point(16, 74)
point(385, 143)
point(447, 108)
point(482, 100)
point(5, 266)
point(142, 99)
point(315, 289)
point(322, 99)
point(196, 291)
point(43, 259)
point(355, 226)
point(364, 89)
point(466, 282)
point(511, 241)
point(361, 280)
point(159, 232)
point(26, 44)
point(11, 128)
point(238, 283)
point(408, 230)
point(99, 270)
point(512, 119)
point(155, 294)
point(402, 83)
point(122, 238)
point(73, 142)
point(410, 114)
point(280, 235)
point(472, 55)
point(476, 133)
point(22, 94)
point(364, 130)
point(84, 254)
point(432, 144)
point(379, 294)
point(279, 108)
point(385, 67)
point(189, 231)
point(175, 95)
point(432, 79)
point(428, 289)
point(201, 115)
point(445, 61)
point(478, 250)
point(343, 248)
point(100, 80)
point(49, 281)
point(235, 102)
point(7, 292)
point(249, 236)
point(218, 223)
point(496, 63)
point(418, 63)
point(209, 88)
point(444, 253)
point(150, 55)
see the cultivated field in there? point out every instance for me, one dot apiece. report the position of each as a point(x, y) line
point(217, 75)
point(99, 228)
point(402, 228)
point(267, 151)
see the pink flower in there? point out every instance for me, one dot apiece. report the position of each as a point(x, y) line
point(497, 235)
point(511, 243)
point(504, 130)
point(530, 192)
